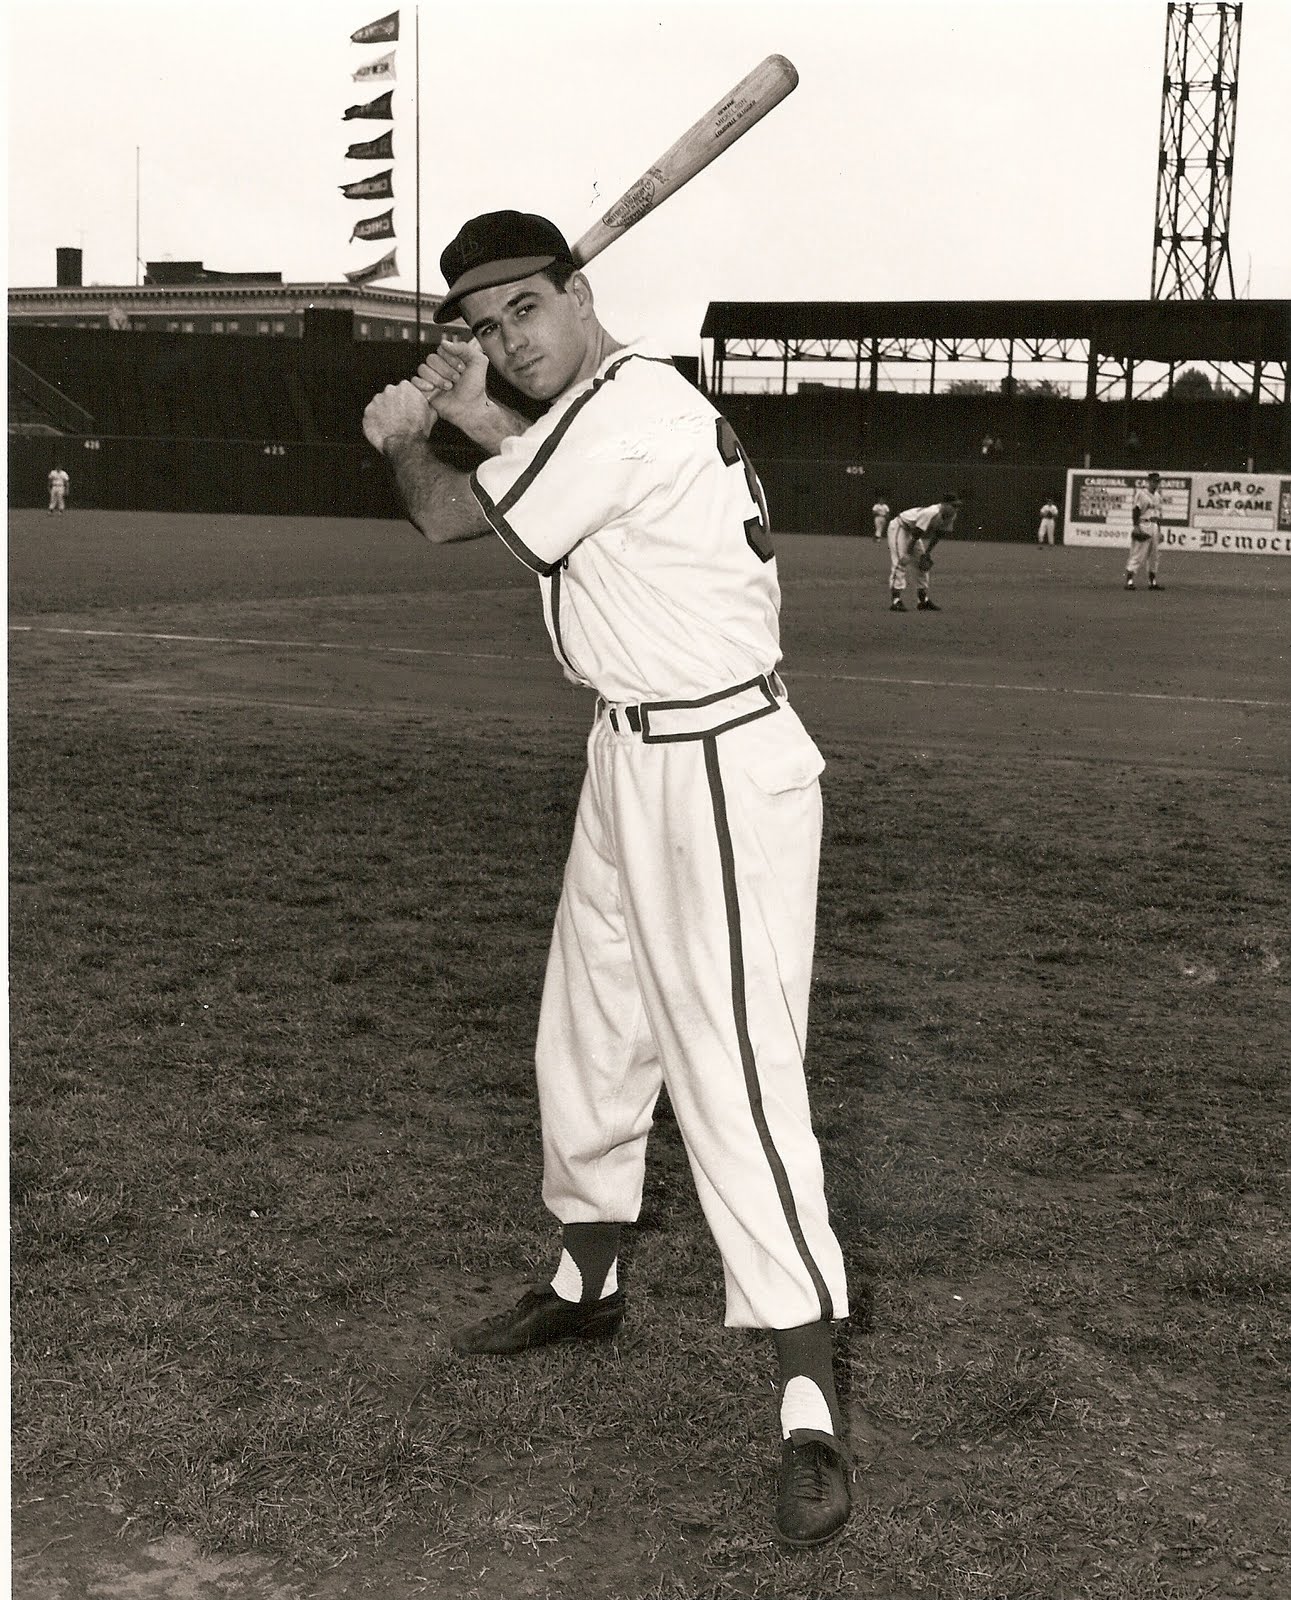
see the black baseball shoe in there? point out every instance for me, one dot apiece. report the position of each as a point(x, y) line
point(813, 1500)
point(1129, 582)
point(897, 603)
point(929, 605)
point(540, 1317)
point(1153, 584)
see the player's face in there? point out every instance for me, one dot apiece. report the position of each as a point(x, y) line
point(537, 336)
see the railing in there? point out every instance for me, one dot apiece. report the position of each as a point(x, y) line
point(62, 411)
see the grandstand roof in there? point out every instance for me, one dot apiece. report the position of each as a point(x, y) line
point(1141, 330)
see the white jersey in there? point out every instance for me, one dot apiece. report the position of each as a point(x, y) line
point(1149, 506)
point(922, 518)
point(634, 503)
point(58, 479)
point(1049, 511)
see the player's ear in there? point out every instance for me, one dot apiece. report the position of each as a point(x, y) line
point(581, 290)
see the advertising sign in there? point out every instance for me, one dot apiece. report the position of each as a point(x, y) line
point(1227, 512)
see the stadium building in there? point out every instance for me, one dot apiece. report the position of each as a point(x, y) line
point(189, 297)
point(208, 391)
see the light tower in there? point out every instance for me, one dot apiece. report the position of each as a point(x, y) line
point(1195, 173)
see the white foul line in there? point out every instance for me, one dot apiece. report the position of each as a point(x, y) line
point(483, 655)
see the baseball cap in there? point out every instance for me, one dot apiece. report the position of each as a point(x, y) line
point(497, 247)
point(1155, 475)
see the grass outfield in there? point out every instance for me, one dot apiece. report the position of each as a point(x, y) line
point(289, 803)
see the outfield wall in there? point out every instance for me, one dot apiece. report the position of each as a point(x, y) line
point(1228, 513)
point(274, 478)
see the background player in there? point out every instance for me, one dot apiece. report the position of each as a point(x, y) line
point(58, 486)
point(882, 512)
point(682, 948)
point(1145, 532)
point(1048, 528)
point(911, 538)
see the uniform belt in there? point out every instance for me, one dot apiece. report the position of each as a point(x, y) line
point(672, 721)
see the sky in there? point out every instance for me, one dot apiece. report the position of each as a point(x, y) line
point(934, 149)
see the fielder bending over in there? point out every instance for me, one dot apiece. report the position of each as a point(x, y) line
point(911, 537)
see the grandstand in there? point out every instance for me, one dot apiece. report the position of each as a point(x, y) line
point(176, 421)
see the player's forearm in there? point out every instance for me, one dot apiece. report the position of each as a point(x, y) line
point(490, 424)
point(437, 497)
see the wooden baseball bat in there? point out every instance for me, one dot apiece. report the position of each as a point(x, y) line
point(730, 119)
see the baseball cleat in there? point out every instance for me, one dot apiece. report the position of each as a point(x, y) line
point(897, 605)
point(812, 1497)
point(1129, 583)
point(929, 605)
point(540, 1317)
point(1153, 584)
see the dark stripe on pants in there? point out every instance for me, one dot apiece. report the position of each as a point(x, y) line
point(739, 1001)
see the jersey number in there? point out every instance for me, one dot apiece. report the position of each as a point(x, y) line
point(757, 530)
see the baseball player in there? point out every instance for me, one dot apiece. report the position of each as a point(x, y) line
point(1045, 534)
point(911, 538)
point(682, 947)
point(58, 485)
point(1145, 532)
point(882, 511)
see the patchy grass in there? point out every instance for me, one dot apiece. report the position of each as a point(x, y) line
point(273, 990)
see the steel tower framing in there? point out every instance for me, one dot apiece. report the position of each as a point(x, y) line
point(1195, 173)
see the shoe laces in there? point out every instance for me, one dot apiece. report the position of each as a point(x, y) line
point(807, 1478)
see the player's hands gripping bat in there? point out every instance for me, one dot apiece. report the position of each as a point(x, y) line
point(730, 119)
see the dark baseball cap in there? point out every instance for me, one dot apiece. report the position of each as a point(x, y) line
point(498, 247)
point(1155, 475)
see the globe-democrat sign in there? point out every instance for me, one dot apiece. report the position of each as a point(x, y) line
point(1228, 512)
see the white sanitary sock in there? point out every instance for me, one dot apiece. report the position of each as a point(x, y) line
point(568, 1281)
point(803, 1406)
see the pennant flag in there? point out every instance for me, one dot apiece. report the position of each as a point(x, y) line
point(380, 186)
point(381, 149)
point(380, 107)
point(375, 32)
point(385, 268)
point(382, 67)
point(381, 227)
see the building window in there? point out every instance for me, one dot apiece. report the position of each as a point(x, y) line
point(405, 333)
point(233, 327)
point(262, 327)
point(363, 330)
point(280, 327)
point(172, 327)
point(217, 327)
point(188, 327)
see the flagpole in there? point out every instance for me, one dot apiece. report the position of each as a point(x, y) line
point(136, 216)
point(416, 29)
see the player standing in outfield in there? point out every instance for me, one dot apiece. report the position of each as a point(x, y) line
point(1048, 528)
point(911, 538)
point(58, 486)
point(882, 511)
point(1145, 532)
point(683, 941)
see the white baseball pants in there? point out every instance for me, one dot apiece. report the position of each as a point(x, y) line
point(682, 954)
point(905, 545)
point(1143, 553)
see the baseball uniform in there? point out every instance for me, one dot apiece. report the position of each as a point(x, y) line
point(58, 482)
point(882, 511)
point(908, 540)
point(1144, 548)
point(683, 941)
point(1048, 523)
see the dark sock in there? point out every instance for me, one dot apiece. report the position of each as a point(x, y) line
point(808, 1352)
point(593, 1247)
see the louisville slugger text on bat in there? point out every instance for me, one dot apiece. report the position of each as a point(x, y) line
point(730, 119)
